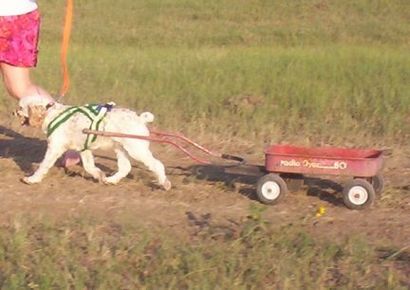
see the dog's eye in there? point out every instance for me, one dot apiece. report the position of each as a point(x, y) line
point(17, 111)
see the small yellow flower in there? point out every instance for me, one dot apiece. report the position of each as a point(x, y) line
point(320, 211)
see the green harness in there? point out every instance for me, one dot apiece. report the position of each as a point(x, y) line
point(95, 113)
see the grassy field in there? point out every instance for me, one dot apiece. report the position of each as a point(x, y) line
point(336, 72)
point(269, 70)
point(89, 253)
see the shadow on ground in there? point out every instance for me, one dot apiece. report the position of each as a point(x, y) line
point(23, 150)
point(248, 176)
point(27, 150)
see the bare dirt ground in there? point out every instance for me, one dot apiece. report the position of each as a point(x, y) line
point(198, 196)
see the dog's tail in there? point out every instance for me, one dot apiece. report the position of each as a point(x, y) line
point(147, 117)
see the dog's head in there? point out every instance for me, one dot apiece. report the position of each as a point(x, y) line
point(33, 110)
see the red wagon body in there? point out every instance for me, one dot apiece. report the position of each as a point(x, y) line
point(323, 160)
point(287, 164)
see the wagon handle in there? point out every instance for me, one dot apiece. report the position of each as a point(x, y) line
point(185, 139)
point(239, 160)
point(165, 138)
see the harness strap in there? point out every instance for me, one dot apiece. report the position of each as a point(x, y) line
point(95, 124)
point(65, 115)
point(95, 113)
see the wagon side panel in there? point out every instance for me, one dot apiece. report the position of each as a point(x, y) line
point(365, 167)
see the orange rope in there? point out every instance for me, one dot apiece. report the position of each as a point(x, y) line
point(64, 46)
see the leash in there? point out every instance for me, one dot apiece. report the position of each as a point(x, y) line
point(68, 21)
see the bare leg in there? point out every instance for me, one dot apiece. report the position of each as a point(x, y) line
point(89, 165)
point(18, 83)
point(124, 167)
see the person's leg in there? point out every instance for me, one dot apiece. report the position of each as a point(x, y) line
point(18, 83)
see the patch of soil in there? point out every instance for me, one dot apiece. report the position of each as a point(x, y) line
point(200, 194)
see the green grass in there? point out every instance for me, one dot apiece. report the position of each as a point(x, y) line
point(89, 253)
point(332, 71)
point(319, 91)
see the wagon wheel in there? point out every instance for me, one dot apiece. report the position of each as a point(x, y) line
point(271, 188)
point(358, 194)
point(378, 183)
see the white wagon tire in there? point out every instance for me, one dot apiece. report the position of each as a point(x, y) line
point(378, 183)
point(358, 194)
point(271, 188)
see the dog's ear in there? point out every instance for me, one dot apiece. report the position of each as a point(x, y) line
point(36, 115)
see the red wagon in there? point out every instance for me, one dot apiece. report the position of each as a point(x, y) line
point(285, 162)
point(291, 163)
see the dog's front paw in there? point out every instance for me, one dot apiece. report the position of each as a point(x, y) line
point(99, 176)
point(110, 180)
point(31, 180)
point(167, 185)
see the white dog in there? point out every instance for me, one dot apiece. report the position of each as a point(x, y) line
point(64, 125)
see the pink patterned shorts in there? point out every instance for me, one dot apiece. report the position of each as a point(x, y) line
point(19, 39)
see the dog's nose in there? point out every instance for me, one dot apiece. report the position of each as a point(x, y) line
point(25, 121)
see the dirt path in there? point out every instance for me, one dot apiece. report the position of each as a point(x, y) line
point(214, 194)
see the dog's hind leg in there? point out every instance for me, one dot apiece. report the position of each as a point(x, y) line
point(87, 159)
point(144, 155)
point(124, 167)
